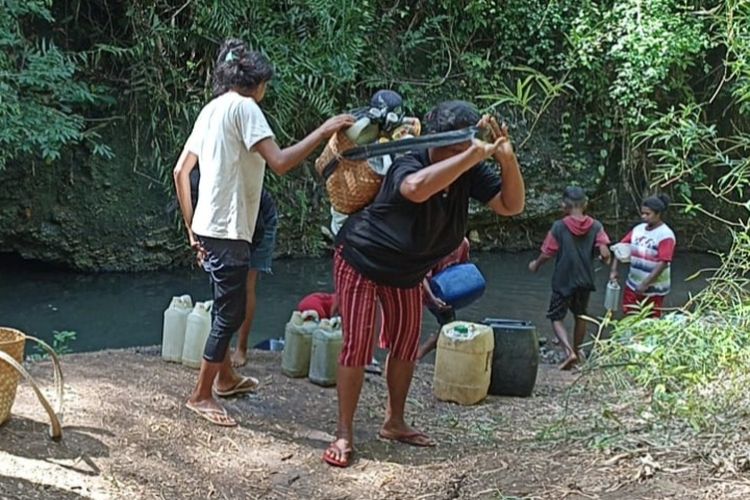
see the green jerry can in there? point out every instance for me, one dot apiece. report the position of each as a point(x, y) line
point(326, 347)
point(295, 360)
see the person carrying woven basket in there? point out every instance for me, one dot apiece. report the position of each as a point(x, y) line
point(233, 142)
point(386, 102)
point(383, 253)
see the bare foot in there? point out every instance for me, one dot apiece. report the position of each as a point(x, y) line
point(569, 362)
point(239, 358)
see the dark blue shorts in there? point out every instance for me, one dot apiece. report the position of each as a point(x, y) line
point(262, 255)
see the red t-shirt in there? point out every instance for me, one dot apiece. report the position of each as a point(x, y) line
point(320, 302)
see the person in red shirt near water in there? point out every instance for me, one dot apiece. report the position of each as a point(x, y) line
point(325, 304)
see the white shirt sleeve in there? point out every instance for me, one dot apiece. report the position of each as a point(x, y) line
point(252, 124)
point(195, 141)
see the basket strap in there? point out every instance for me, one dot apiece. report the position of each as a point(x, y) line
point(403, 145)
point(329, 169)
point(55, 430)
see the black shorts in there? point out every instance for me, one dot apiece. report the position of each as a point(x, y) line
point(559, 304)
point(227, 264)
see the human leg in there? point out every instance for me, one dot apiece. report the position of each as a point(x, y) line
point(239, 356)
point(227, 313)
point(579, 307)
point(260, 261)
point(558, 308)
point(402, 320)
point(443, 317)
point(357, 306)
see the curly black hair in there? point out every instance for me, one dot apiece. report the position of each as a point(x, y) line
point(451, 115)
point(238, 66)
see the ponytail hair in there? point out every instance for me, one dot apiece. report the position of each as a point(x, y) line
point(659, 203)
point(238, 66)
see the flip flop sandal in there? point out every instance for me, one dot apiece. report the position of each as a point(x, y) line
point(213, 415)
point(245, 385)
point(347, 454)
point(409, 438)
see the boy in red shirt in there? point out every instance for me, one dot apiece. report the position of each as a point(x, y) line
point(572, 242)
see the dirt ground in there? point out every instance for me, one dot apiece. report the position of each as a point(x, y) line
point(127, 435)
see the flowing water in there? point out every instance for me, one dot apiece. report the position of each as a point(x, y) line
point(113, 310)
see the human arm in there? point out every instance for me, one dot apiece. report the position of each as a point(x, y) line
point(613, 270)
point(281, 161)
point(181, 173)
point(602, 243)
point(627, 239)
point(549, 248)
point(421, 185)
point(512, 196)
point(665, 255)
point(535, 264)
point(653, 275)
point(431, 296)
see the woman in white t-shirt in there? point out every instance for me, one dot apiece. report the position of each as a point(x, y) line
point(652, 245)
point(233, 143)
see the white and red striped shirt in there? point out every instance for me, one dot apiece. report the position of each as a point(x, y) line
point(647, 249)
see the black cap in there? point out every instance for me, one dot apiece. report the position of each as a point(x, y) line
point(386, 99)
point(574, 193)
point(451, 115)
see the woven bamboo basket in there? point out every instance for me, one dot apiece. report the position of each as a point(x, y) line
point(12, 343)
point(353, 184)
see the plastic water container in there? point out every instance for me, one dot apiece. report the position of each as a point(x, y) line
point(173, 330)
point(612, 296)
point(515, 361)
point(463, 362)
point(326, 347)
point(295, 360)
point(196, 334)
point(364, 131)
point(458, 285)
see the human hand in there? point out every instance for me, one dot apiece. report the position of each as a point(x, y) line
point(195, 244)
point(441, 305)
point(613, 276)
point(641, 290)
point(334, 124)
point(533, 267)
point(497, 132)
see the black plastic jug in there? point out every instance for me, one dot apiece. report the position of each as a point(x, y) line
point(516, 357)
